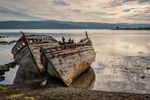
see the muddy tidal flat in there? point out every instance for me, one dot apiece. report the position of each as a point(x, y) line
point(122, 65)
point(45, 93)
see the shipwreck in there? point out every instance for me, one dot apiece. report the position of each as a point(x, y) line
point(39, 54)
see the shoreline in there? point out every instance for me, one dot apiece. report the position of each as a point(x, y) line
point(64, 93)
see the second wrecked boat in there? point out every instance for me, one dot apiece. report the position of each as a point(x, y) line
point(37, 54)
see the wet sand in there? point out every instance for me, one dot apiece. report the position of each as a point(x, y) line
point(56, 90)
point(46, 93)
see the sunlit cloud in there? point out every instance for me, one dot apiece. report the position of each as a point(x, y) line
point(110, 11)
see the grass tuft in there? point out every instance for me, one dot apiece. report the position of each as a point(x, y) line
point(29, 98)
point(2, 88)
point(15, 96)
point(20, 97)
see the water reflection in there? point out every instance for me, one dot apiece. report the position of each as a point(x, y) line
point(122, 63)
point(85, 80)
point(130, 75)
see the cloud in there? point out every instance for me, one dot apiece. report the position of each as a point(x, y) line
point(7, 12)
point(114, 11)
point(128, 10)
point(15, 13)
point(120, 2)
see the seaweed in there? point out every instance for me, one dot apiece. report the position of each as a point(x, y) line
point(7, 42)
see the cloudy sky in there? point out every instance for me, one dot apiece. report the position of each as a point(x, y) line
point(110, 11)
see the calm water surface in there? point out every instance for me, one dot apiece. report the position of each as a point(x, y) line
point(122, 57)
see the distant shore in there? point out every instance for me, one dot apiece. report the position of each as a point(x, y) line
point(56, 24)
point(146, 28)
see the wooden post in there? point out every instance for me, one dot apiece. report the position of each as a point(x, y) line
point(86, 34)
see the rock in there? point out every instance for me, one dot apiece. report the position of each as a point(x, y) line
point(13, 41)
point(2, 36)
point(126, 68)
point(4, 68)
point(11, 65)
point(142, 77)
point(2, 73)
point(7, 42)
point(2, 78)
point(137, 65)
point(4, 42)
point(148, 68)
point(140, 52)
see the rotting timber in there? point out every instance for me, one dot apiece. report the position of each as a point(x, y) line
point(37, 54)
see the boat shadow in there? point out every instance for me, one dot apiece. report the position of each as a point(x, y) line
point(86, 81)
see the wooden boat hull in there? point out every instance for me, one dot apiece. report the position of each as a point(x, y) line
point(65, 61)
point(70, 63)
point(28, 68)
point(27, 56)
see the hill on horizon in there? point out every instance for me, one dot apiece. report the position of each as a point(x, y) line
point(54, 24)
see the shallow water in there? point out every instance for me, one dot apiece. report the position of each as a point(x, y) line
point(122, 57)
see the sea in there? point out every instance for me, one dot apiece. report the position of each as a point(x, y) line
point(122, 56)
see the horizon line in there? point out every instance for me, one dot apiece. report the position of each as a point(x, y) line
point(69, 21)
